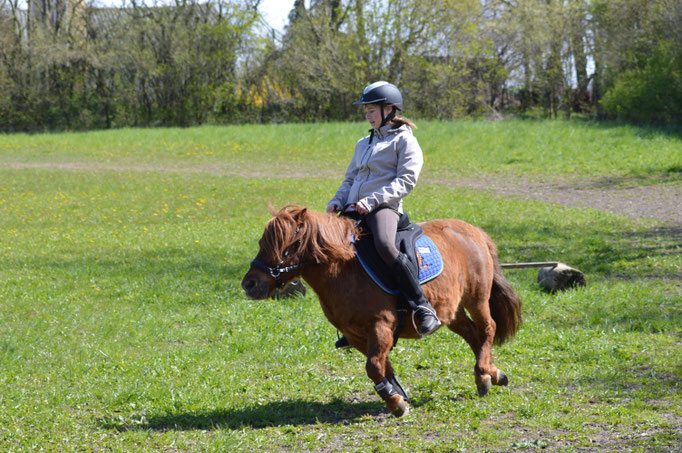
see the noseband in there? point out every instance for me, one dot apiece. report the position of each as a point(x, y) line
point(276, 271)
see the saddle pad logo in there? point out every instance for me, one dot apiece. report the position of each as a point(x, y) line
point(430, 260)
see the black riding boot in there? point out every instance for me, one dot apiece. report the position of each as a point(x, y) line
point(427, 321)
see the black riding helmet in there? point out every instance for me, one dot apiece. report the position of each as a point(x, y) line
point(382, 93)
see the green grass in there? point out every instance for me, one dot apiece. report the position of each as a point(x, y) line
point(525, 148)
point(549, 148)
point(123, 326)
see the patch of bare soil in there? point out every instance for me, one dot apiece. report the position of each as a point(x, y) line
point(661, 201)
point(214, 169)
point(601, 438)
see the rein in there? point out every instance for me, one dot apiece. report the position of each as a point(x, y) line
point(276, 271)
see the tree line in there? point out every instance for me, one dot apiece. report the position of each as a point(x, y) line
point(68, 64)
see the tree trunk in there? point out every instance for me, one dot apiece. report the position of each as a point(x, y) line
point(360, 32)
point(580, 98)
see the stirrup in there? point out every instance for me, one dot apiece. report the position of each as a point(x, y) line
point(433, 312)
point(342, 343)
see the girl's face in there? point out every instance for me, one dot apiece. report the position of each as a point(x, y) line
point(373, 114)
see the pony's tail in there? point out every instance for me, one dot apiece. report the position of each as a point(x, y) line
point(505, 303)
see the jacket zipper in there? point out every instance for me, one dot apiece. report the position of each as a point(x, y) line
point(368, 154)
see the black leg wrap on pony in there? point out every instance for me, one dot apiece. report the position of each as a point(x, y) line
point(385, 388)
point(398, 388)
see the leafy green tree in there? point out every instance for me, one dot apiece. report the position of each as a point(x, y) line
point(650, 93)
point(639, 59)
point(74, 66)
point(65, 64)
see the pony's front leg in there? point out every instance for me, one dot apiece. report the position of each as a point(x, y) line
point(378, 346)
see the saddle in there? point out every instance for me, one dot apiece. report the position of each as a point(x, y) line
point(423, 255)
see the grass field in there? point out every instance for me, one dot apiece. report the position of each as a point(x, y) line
point(123, 326)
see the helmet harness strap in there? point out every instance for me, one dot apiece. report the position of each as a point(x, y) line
point(386, 119)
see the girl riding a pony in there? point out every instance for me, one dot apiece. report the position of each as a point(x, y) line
point(384, 170)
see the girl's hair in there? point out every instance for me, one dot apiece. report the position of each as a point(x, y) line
point(399, 120)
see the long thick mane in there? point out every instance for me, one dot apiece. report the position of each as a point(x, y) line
point(323, 238)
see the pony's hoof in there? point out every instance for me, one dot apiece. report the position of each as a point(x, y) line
point(403, 409)
point(501, 378)
point(484, 387)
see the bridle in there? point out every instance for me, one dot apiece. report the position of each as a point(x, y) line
point(276, 271)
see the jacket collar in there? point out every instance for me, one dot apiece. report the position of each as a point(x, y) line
point(386, 129)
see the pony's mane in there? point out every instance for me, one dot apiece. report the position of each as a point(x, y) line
point(323, 238)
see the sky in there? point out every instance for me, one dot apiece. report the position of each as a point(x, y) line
point(275, 12)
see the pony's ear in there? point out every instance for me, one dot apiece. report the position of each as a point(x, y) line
point(300, 217)
point(272, 210)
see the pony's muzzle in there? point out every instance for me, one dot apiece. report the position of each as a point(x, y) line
point(255, 288)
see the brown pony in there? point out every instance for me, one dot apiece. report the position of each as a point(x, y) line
point(298, 242)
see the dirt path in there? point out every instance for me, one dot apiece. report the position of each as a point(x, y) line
point(661, 201)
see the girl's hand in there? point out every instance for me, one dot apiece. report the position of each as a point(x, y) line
point(361, 209)
point(333, 208)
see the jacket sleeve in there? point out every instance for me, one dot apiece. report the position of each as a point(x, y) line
point(341, 195)
point(410, 162)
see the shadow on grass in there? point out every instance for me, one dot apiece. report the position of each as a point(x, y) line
point(150, 271)
point(643, 249)
point(615, 253)
point(641, 130)
point(638, 263)
point(280, 413)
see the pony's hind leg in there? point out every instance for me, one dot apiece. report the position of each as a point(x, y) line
point(479, 335)
point(380, 371)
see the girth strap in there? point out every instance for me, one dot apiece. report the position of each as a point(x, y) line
point(402, 316)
